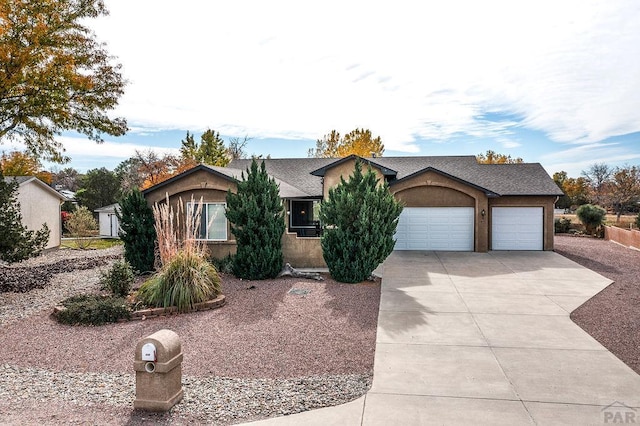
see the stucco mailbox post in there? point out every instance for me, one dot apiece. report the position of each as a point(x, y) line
point(158, 366)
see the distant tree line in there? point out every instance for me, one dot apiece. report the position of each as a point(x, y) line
point(614, 188)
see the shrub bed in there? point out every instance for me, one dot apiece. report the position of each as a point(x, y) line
point(88, 309)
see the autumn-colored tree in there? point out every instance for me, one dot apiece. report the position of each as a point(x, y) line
point(625, 188)
point(154, 169)
point(492, 157)
point(598, 176)
point(576, 190)
point(210, 150)
point(358, 142)
point(55, 75)
point(18, 163)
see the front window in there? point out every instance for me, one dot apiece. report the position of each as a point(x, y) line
point(304, 217)
point(213, 221)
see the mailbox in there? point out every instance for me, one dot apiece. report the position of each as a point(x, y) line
point(158, 366)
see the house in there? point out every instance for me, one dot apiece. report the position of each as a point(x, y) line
point(452, 203)
point(40, 204)
point(108, 220)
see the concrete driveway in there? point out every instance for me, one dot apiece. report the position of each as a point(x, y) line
point(486, 338)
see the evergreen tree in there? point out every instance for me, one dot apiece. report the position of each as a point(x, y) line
point(99, 188)
point(189, 148)
point(257, 221)
point(210, 150)
point(16, 242)
point(137, 231)
point(359, 219)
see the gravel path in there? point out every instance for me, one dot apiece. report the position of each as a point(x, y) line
point(612, 316)
point(270, 351)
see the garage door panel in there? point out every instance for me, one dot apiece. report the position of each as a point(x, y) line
point(435, 228)
point(517, 228)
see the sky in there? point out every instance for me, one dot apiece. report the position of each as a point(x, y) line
point(554, 82)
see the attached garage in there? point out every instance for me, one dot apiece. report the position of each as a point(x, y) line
point(517, 228)
point(435, 228)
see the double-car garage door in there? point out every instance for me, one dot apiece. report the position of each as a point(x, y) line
point(452, 228)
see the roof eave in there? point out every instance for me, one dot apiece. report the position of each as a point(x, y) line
point(488, 192)
point(384, 170)
point(187, 173)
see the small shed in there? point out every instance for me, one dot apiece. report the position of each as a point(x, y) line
point(108, 221)
point(39, 204)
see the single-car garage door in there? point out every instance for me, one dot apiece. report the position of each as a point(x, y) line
point(516, 228)
point(435, 228)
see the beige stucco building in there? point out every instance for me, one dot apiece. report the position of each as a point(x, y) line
point(450, 203)
point(40, 204)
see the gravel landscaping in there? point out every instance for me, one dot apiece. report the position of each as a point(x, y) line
point(278, 347)
point(612, 316)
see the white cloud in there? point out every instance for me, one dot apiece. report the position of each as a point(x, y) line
point(431, 70)
point(578, 158)
point(76, 147)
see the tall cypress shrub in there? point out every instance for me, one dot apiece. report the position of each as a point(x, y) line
point(137, 231)
point(359, 219)
point(257, 221)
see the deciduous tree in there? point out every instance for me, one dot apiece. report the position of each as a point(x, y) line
point(67, 178)
point(598, 176)
point(55, 75)
point(18, 163)
point(576, 190)
point(358, 142)
point(492, 157)
point(625, 188)
point(236, 149)
point(153, 168)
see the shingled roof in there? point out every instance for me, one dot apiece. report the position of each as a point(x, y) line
point(305, 174)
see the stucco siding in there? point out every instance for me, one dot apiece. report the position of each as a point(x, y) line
point(302, 252)
point(333, 174)
point(39, 206)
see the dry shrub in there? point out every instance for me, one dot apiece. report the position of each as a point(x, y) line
point(185, 276)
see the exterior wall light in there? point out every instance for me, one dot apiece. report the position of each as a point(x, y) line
point(483, 213)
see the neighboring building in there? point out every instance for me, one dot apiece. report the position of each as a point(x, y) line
point(108, 220)
point(451, 203)
point(40, 204)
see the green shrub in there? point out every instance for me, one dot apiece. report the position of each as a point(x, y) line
point(186, 280)
point(638, 220)
point(360, 218)
point(119, 279)
point(257, 221)
point(137, 231)
point(224, 265)
point(562, 225)
point(90, 309)
point(592, 217)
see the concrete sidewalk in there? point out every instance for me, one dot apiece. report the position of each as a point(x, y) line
point(486, 338)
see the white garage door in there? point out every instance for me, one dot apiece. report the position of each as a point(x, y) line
point(435, 228)
point(516, 228)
